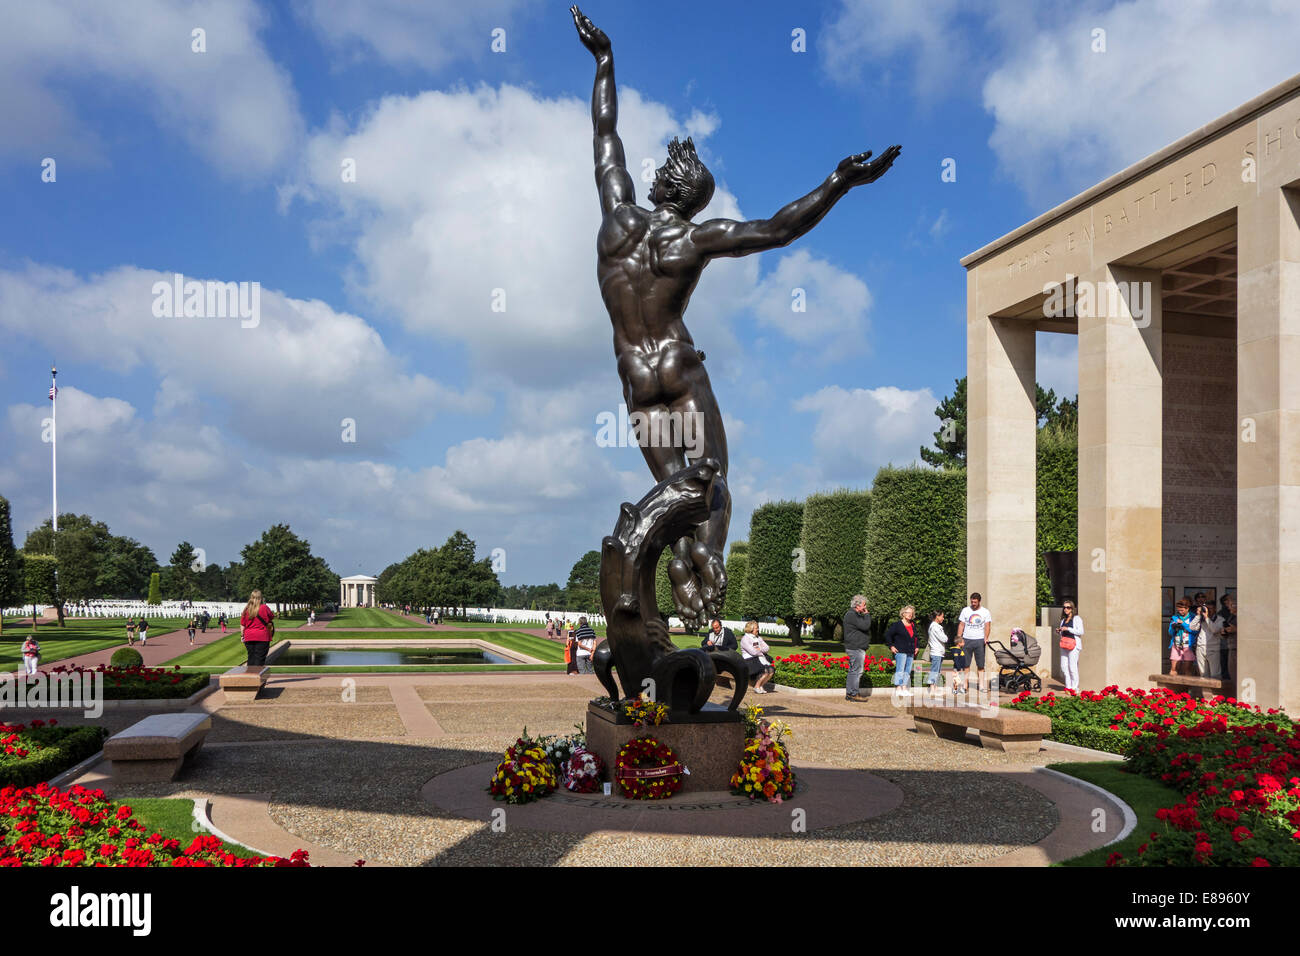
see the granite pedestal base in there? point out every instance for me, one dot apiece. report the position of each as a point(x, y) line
point(709, 743)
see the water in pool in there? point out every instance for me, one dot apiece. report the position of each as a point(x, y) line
point(385, 656)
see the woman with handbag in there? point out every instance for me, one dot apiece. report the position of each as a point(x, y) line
point(1071, 640)
point(257, 627)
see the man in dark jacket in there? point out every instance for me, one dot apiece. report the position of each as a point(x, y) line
point(857, 638)
point(719, 638)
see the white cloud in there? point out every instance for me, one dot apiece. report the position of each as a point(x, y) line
point(161, 480)
point(232, 104)
point(835, 304)
point(866, 36)
point(859, 430)
point(412, 33)
point(459, 194)
point(1170, 66)
point(288, 383)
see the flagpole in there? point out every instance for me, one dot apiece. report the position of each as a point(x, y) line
point(54, 446)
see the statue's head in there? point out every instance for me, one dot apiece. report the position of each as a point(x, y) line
point(683, 182)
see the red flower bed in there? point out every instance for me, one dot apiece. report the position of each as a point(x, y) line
point(819, 663)
point(1243, 794)
point(830, 670)
point(45, 826)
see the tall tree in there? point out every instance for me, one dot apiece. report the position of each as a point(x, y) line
point(950, 440)
point(181, 581)
point(124, 569)
point(40, 572)
point(462, 580)
point(13, 585)
point(155, 589)
point(583, 588)
point(282, 567)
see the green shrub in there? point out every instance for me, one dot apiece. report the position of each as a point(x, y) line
point(834, 543)
point(916, 543)
point(155, 589)
point(769, 582)
point(60, 748)
point(737, 568)
point(1096, 738)
point(126, 657)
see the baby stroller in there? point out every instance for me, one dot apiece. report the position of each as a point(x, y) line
point(1015, 663)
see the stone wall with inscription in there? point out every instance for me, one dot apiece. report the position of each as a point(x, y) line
point(1199, 510)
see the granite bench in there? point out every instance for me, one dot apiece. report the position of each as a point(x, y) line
point(998, 729)
point(155, 748)
point(242, 684)
point(1193, 685)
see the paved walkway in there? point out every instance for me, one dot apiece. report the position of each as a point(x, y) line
point(361, 768)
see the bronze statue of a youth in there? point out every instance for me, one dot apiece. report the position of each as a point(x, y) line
point(649, 262)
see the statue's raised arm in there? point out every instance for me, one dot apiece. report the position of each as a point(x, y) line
point(726, 237)
point(612, 179)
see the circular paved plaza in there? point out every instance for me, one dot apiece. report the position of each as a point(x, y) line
point(392, 770)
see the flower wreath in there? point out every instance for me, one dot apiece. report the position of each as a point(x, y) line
point(583, 770)
point(648, 770)
point(524, 773)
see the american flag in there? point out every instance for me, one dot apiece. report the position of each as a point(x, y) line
point(53, 391)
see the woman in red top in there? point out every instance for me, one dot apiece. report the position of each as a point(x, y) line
point(255, 626)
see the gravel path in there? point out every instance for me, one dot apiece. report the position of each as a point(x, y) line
point(348, 775)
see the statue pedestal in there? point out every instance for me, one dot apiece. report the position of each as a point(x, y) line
point(709, 743)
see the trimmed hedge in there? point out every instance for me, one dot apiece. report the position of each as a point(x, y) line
point(834, 541)
point(128, 688)
point(126, 657)
point(1058, 500)
point(774, 531)
point(916, 543)
point(737, 568)
point(1097, 738)
point(63, 747)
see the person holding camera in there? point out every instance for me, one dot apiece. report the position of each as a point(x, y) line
point(1182, 638)
point(1070, 634)
point(1208, 644)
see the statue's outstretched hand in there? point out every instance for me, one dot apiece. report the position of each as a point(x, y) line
point(857, 171)
point(592, 36)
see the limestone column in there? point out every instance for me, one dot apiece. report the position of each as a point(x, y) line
point(1001, 435)
point(1268, 448)
point(1120, 477)
point(343, 597)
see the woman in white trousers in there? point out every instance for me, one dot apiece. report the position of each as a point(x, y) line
point(1071, 627)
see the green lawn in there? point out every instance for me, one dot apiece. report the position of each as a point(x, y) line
point(174, 819)
point(80, 636)
point(373, 617)
point(1143, 794)
point(226, 652)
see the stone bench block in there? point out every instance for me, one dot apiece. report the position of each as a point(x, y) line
point(1008, 730)
point(242, 684)
point(156, 748)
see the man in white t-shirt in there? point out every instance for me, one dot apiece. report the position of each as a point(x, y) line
point(973, 628)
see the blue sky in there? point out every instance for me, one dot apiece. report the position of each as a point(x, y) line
point(473, 174)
